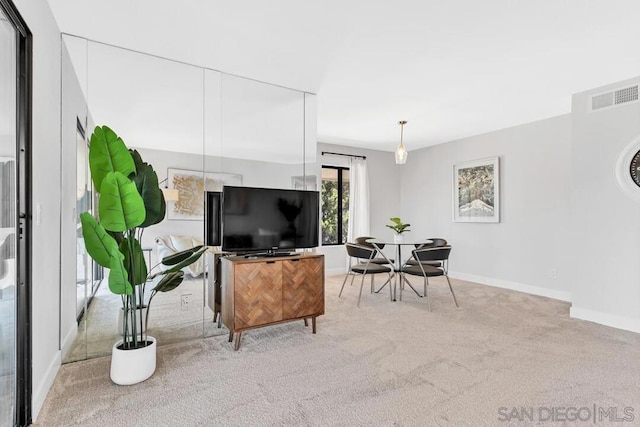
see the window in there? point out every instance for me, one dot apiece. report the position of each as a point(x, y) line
point(335, 205)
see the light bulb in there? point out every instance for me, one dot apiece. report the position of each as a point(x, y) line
point(401, 154)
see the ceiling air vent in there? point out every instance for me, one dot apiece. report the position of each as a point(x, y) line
point(615, 97)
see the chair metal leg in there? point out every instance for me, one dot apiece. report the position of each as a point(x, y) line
point(390, 290)
point(426, 295)
point(401, 285)
point(372, 282)
point(343, 283)
point(451, 289)
point(408, 283)
point(360, 295)
point(384, 284)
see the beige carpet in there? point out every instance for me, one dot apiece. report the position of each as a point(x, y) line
point(168, 323)
point(385, 364)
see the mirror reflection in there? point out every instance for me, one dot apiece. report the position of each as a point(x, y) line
point(200, 129)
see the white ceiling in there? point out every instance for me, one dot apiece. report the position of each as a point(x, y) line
point(451, 68)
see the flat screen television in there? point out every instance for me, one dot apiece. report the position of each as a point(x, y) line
point(213, 224)
point(266, 219)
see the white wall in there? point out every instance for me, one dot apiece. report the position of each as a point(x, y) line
point(605, 221)
point(530, 240)
point(46, 193)
point(74, 107)
point(384, 195)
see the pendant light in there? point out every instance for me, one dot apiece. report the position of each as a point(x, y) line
point(401, 152)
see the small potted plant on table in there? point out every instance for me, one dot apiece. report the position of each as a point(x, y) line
point(398, 227)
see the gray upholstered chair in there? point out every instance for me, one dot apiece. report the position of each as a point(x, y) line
point(362, 241)
point(422, 255)
point(363, 268)
point(435, 243)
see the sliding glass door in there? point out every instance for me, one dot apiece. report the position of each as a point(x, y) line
point(8, 275)
point(15, 331)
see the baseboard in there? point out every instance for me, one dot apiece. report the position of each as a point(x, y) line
point(619, 322)
point(335, 271)
point(514, 286)
point(41, 390)
point(68, 340)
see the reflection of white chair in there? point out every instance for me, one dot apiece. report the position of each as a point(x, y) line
point(7, 262)
point(8, 278)
point(171, 244)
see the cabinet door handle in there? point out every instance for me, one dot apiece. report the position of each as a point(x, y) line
point(271, 262)
point(294, 260)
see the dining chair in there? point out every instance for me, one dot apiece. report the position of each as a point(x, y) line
point(435, 243)
point(362, 241)
point(363, 268)
point(422, 255)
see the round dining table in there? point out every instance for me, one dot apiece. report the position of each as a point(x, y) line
point(380, 243)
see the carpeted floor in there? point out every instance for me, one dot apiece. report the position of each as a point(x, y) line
point(385, 364)
point(167, 321)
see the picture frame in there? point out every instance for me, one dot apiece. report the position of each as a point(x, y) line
point(308, 182)
point(476, 191)
point(191, 186)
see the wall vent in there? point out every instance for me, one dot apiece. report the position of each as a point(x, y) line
point(615, 97)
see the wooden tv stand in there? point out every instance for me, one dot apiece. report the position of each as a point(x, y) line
point(265, 291)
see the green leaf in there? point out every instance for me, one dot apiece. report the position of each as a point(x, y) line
point(396, 220)
point(118, 283)
point(121, 207)
point(169, 282)
point(193, 258)
point(146, 182)
point(99, 244)
point(180, 256)
point(116, 235)
point(137, 270)
point(108, 153)
point(137, 158)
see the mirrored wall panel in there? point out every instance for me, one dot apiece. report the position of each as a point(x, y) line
point(200, 129)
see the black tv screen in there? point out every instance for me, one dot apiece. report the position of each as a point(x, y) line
point(213, 223)
point(265, 219)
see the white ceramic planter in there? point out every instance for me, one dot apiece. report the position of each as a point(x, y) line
point(398, 238)
point(138, 324)
point(133, 366)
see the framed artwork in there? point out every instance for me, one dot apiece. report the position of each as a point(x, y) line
point(191, 186)
point(308, 182)
point(476, 188)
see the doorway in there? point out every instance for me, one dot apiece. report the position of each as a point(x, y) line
point(15, 223)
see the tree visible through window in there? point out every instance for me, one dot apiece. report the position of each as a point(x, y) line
point(335, 205)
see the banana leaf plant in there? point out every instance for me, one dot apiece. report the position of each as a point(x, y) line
point(130, 200)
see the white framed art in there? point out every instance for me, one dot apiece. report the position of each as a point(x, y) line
point(476, 188)
point(191, 186)
point(308, 182)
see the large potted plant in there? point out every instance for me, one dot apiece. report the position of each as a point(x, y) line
point(130, 200)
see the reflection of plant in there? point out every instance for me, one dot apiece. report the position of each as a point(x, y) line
point(130, 200)
point(398, 226)
point(290, 210)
